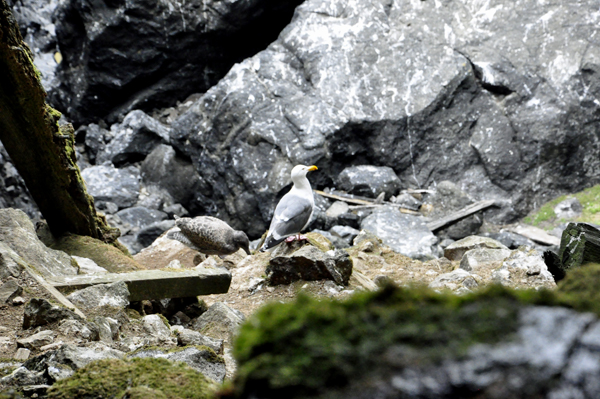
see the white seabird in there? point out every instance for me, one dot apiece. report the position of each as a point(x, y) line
point(294, 210)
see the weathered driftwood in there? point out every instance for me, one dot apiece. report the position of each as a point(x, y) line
point(60, 298)
point(580, 244)
point(463, 213)
point(155, 284)
point(349, 198)
point(363, 202)
point(42, 152)
point(535, 234)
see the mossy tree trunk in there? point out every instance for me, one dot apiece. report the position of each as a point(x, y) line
point(42, 152)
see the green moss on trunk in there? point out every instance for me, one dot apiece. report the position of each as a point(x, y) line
point(42, 152)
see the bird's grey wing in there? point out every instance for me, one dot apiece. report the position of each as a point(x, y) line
point(291, 215)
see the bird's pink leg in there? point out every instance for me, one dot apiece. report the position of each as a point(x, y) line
point(297, 237)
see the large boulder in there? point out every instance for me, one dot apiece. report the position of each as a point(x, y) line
point(39, 312)
point(121, 55)
point(485, 98)
point(134, 138)
point(18, 233)
point(109, 184)
point(64, 361)
point(164, 168)
point(310, 263)
point(369, 181)
point(405, 234)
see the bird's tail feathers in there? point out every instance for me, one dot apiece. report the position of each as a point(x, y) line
point(178, 236)
point(270, 242)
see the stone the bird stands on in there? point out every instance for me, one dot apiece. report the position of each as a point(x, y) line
point(210, 236)
point(293, 211)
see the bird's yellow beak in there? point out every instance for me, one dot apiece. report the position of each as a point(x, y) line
point(311, 168)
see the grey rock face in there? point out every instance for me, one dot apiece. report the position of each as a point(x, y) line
point(369, 181)
point(39, 312)
point(11, 264)
point(38, 340)
point(108, 328)
point(157, 330)
point(34, 18)
point(115, 295)
point(13, 192)
point(124, 55)
point(309, 263)
point(140, 216)
point(17, 232)
point(95, 139)
point(336, 241)
point(346, 233)
point(568, 209)
point(457, 278)
point(220, 321)
point(187, 337)
point(200, 359)
point(456, 250)
point(134, 138)
point(23, 377)
point(510, 239)
point(523, 263)
point(79, 330)
point(467, 99)
point(9, 290)
point(63, 362)
point(405, 234)
point(164, 168)
point(446, 199)
point(148, 234)
point(109, 184)
point(473, 258)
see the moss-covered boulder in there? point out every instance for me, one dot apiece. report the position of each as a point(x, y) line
point(105, 255)
point(410, 343)
point(136, 378)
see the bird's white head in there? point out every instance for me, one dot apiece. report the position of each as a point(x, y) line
point(299, 172)
point(302, 170)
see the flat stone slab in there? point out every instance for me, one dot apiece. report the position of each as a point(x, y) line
point(155, 284)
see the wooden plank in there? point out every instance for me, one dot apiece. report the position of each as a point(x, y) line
point(463, 213)
point(402, 210)
point(60, 298)
point(346, 198)
point(362, 202)
point(535, 234)
point(156, 284)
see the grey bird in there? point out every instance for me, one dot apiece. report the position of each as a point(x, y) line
point(293, 211)
point(210, 236)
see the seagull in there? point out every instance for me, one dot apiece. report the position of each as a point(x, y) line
point(210, 236)
point(293, 211)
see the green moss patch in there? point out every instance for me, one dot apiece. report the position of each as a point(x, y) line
point(580, 287)
point(105, 255)
point(589, 199)
point(157, 378)
point(293, 349)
